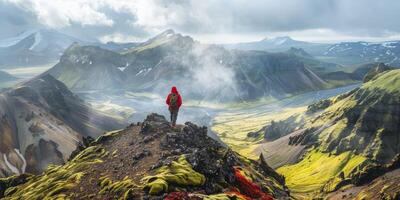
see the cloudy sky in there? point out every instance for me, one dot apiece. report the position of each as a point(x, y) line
point(207, 20)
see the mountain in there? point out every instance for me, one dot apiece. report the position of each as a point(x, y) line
point(349, 140)
point(173, 59)
point(34, 47)
point(89, 67)
point(280, 44)
point(343, 53)
point(357, 74)
point(152, 160)
point(118, 47)
point(41, 123)
point(4, 76)
point(299, 52)
point(7, 80)
point(364, 52)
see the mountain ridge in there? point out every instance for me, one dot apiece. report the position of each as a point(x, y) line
point(353, 137)
point(152, 160)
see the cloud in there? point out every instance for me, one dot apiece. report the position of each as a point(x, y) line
point(141, 18)
point(60, 13)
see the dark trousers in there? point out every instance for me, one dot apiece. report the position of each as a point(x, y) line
point(174, 115)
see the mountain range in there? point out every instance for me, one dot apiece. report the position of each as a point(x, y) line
point(280, 44)
point(173, 59)
point(43, 46)
point(344, 53)
point(364, 52)
point(33, 48)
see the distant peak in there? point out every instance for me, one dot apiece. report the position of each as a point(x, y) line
point(279, 38)
point(283, 37)
point(299, 52)
point(166, 33)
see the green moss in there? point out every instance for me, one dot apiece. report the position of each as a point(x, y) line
point(57, 179)
point(107, 136)
point(117, 188)
point(114, 153)
point(317, 168)
point(178, 173)
point(389, 81)
point(104, 181)
point(156, 185)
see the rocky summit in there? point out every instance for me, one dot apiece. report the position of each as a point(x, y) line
point(152, 160)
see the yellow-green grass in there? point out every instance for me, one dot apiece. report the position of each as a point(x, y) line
point(389, 81)
point(57, 179)
point(233, 127)
point(317, 168)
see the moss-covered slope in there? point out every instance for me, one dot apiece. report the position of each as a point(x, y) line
point(152, 160)
point(351, 138)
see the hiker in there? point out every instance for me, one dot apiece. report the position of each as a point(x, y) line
point(174, 102)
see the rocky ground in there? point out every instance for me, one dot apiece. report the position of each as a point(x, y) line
point(152, 160)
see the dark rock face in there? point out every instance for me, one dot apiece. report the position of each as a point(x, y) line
point(305, 138)
point(205, 155)
point(381, 67)
point(41, 155)
point(86, 142)
point(277, 129)
point(319, 106)
point(281, 128)
point(153, 123)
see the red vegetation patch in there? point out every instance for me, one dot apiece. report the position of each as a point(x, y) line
point(248, 188)
point(177, 196)
point(237, 194)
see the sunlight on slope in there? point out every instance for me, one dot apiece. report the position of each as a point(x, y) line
point(233, 127)
point(318, 168)
point(389, 81)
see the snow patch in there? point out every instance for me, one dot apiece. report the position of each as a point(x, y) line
point(390, 45)
point(144, 71)
point(13, 168)
point(23, 160)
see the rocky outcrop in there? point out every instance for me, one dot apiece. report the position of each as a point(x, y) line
point(381, 67)
point(277, 129)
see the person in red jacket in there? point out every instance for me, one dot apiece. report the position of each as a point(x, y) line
point(174, 102)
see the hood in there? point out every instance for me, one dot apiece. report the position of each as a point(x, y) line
point(174, 90)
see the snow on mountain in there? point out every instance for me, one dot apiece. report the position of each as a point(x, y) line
point(387, 52)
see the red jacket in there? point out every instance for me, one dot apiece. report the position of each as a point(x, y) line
point(179, 101)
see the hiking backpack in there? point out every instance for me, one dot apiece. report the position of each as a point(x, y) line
point(173, 100)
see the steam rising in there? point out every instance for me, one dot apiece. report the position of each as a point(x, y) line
point(211, 75)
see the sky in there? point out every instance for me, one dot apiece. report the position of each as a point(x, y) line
point(209, 21)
